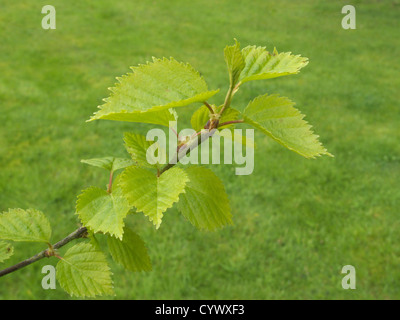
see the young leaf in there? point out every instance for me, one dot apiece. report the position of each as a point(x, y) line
point(101, 211)
point(6, 251)
point(199, 118)
point(261, 64)
point(235, 62)
point(109, 163)
point(137, 147)
point(205, 203)
point(151, 194)
point(84, 272)
point(130, 252)
point(153, 88)
point(161, 117)
point(276, 117)
point(24, 225)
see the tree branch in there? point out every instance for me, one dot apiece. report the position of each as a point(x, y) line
point(82, 230)
point(79, 233)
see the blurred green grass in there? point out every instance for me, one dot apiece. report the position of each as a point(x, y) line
point(297, 221)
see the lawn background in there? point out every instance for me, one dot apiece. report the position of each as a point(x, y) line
point(297, 221)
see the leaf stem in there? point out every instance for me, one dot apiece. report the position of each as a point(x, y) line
point(209, 107)
point(110, 181)
point(174, 131)
point(227, 101)
point(79, 233)
point(232, 90)
point(230, 122)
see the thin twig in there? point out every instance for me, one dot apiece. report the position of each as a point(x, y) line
point(79, 233)
point(227, 101)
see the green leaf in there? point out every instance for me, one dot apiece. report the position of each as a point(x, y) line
point(235, 62)
point(261, 64)
point(131, 252)
point(93, 240)
point(199, 118)
point(151, 194)
point(102, 211)
point(137, 146)
point(109, 163)
point(205, 203)
point(84, 272)
point(276, 117)
point(6, 251)
point(24, 225)
point(161, 117)
point(145, 94)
